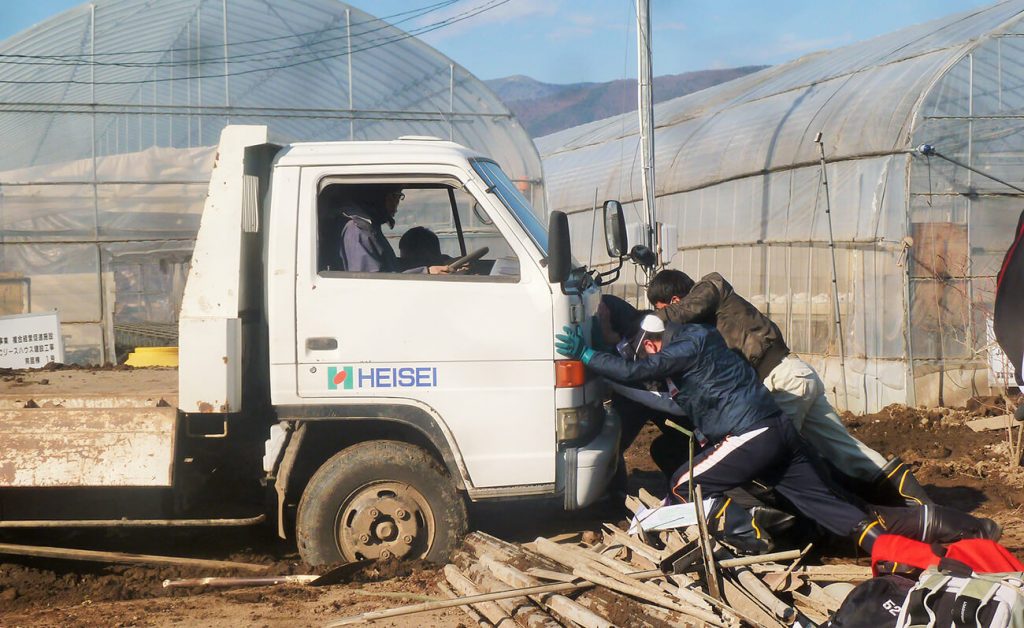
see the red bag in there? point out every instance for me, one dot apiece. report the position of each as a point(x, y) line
point(895, 554)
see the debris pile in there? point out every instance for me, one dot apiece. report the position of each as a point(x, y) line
point(675, 577)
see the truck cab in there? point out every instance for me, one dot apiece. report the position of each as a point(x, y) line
point(391, 397)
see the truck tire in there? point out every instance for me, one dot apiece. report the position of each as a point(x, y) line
point(379, 500)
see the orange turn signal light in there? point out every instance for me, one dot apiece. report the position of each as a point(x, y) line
point(569, 374)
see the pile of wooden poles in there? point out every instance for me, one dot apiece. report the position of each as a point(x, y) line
point(610, 578)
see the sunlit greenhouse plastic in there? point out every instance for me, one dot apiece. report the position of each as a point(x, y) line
point(918, 238)
point(111, 113)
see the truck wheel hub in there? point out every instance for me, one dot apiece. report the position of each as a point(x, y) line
point(385, 520)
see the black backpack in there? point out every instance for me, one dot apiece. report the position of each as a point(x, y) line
point(874, 603)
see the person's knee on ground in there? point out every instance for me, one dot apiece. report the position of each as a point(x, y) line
point(670, 451)
point(752, 530)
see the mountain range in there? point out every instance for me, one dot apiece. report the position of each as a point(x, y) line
point(544, 108)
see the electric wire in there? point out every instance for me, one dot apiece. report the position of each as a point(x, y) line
point(281, 53)
point(378, 43)
point(407, 15)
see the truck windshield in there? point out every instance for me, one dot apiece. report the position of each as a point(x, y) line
point(498, 182)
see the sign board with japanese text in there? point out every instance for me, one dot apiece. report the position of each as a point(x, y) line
point(30, 340)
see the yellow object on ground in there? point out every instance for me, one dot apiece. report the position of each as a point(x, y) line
point(153, 356)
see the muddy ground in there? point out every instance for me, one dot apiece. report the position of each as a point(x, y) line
point(959, 467)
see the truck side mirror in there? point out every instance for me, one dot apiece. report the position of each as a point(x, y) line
point(559, 253)
point(614, 229)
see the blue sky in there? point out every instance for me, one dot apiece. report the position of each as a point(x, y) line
point(569, 41)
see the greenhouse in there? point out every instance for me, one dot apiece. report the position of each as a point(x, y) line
point(111, 112)
point(918, 239)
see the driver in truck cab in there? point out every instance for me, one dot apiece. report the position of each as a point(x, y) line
point(363, 246)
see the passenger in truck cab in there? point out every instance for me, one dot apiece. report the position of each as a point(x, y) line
point(420, 246)
point(363, 246)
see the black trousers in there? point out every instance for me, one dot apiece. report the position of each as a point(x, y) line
point(771, 452)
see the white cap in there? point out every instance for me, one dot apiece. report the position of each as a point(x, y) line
point(652, 324)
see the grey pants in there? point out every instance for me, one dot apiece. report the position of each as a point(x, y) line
point(800, 393)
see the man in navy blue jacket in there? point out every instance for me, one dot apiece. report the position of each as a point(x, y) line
point(747, 435)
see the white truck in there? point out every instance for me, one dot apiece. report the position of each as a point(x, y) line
point(361, 410)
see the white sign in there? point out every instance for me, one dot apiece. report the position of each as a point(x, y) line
point(30, 340)
point(1000, 369)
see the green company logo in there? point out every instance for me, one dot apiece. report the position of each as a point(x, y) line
point(336, 378)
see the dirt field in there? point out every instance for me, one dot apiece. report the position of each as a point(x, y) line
point(959, 467)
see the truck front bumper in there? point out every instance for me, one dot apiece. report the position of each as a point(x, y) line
point(585, 471)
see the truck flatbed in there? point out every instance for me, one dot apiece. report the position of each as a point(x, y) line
point(87, 427)
point(98, 387)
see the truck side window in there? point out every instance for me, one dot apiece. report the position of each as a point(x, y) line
point(427, 231)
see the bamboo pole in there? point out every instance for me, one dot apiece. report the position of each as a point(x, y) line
point(706, 547)
point(121, 557)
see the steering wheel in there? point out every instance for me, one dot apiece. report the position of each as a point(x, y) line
point(454, 265)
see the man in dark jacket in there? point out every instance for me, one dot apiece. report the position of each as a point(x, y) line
point(747, 436)
point(364, 248)
point(794, 384)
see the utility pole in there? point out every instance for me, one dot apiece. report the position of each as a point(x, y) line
point(646, 109)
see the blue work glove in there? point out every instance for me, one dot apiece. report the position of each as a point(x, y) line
point(572, 345)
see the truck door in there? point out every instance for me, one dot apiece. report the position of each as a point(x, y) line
point(472, 348)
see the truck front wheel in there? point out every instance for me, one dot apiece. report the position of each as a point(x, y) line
point(379, 500)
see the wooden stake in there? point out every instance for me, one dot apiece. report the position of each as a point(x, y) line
point(611, 579)
point(487, 597)
point(623, 569)
point(648, 552)
point(647, 499)
point(760, 591)
point(746, 606)
point(523, 610)
point(782, 581)
point(560, 604)
point(827, 573)
point(491, 611)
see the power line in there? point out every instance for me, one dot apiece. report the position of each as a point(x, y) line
point(419, 12)
point(490, 5)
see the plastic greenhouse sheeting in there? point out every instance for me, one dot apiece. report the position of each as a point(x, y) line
point(918, 239)
point(111, 111)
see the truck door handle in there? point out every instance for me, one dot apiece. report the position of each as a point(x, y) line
point(321, 344)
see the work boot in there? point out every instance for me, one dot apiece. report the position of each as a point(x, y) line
point(936, 524)
point(753, 530)
point(866, 532)
point(896, 485)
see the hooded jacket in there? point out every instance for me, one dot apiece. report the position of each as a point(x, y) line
point(712, 301)
point(718, 390)
point(364, 248)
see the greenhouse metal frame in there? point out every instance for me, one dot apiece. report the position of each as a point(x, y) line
point(918, 239)
point(110, 114)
